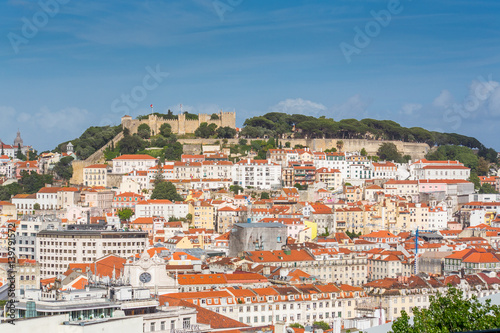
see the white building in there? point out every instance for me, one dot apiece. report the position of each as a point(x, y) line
point(161, 208)
point(128, 163)
point(424, 169)
point(261, 174)
point(385, 170)
point(438, 218)
point(7, 167)
point(57, 249)
point(331, 161)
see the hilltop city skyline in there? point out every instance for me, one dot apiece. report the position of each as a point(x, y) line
point(417, 63)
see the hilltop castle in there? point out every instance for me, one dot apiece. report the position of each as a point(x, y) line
point(181, 125)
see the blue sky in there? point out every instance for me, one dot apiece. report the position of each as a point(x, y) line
point(433, 64)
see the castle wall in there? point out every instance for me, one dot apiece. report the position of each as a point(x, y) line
point(415, 150)
point(180, 125)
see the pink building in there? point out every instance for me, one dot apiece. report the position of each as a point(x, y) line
point(28, 166)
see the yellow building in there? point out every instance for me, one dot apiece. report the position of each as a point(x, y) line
point(203, 214)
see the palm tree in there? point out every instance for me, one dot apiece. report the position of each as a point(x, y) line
point(340, 145)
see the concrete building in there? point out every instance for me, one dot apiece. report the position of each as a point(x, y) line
point(57, 249)
point(256, 236)
point(26, 231)
point(261, 174)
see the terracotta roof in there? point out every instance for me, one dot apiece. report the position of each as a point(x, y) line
point(135, 157)
point(97, 166)
point(204, 316)
point(278, 256)
point(481, 258)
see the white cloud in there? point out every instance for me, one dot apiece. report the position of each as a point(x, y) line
point(71, 120)
point(483, 98)
point(7, 112)
point(494, 102)
point(354, 107)
point(410, 108)
point(444, 100)
point(299, 106)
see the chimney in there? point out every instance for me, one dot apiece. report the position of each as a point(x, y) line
point(279, 327)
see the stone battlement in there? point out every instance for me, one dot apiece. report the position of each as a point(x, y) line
point(180, 125)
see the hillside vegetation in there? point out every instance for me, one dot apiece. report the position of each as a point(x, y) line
point(282, 125)
point(93, 139)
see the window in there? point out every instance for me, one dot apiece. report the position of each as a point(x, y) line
point(162, 326)
point(186, 323)
point(153, 327)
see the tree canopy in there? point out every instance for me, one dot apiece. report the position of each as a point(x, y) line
point(144, 131)
point(131, 144)
point(450, 313)
point(276, 124)
point(63, 168)
point(166, 191)
point(91, 140)
point(205, 130)
point(125, 214)
point(226, 132)
point(389, 152)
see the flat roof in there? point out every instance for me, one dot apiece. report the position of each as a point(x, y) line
point(96, 233)
point(260, 225)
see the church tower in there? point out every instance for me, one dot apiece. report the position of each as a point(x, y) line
point(18, 141)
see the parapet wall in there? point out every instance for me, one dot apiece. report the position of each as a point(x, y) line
point(415, 150)
point(180, 125)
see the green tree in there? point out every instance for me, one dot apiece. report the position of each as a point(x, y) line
point(19, 153)
point(165, 129)
point(190, 116)
point(205, 130)
point(173, 152)
point(166, 191)
point(287, 144)
point(91, 140)
point(487, 189)
point(226, 132)
point(236, 189)
point(322, 325)
point(264, 195)
point(63, 169)
point(299, 187)
point(296, 325)
point(36, 206)
point(144, 131)
point(389, 152)
point(340, 145)
point(125, 214)
point(450, 313)
point(131, 144)
point(7, 191)
point(32, 182)
point(352, 234)
point(363, 152)
point(483, 167)
point(473, 178)
point(214, 116)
